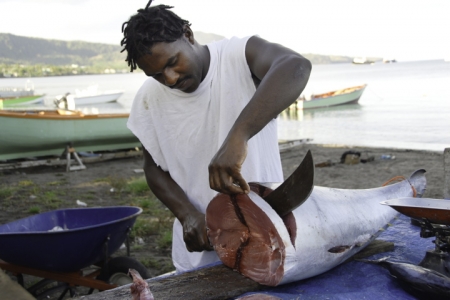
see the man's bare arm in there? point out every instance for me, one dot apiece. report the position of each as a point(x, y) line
point(282, 75)
point(171, 194)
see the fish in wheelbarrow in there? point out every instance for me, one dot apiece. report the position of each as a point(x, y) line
point(139, 288)
point(251, 236)
point(419, 281)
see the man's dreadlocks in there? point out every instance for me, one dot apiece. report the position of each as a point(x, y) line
point(149, 26)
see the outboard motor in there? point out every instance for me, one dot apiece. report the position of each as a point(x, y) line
point(66, 102)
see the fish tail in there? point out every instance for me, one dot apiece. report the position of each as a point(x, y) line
point(380, 261)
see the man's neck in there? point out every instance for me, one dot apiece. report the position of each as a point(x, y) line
point(206, 60)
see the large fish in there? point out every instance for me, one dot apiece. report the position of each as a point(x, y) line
point(328, 228)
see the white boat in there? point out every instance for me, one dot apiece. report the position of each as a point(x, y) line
point(89, 96)
point(105, 97)
point(389, 60)
point(17, 92)
point(362, 60)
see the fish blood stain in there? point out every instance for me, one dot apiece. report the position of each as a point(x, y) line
point(243, 239)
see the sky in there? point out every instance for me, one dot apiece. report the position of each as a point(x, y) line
point(395, 29)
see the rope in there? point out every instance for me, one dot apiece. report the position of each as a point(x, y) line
point(396, 178)
point(400, 178)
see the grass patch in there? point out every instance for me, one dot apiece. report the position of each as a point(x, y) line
point(6, 196)
point(150, 206)
point(144, 226)
point(89, 197)
point(164, 240)
point(35, 190)
point(105, 179)
point(58, 182)
point(6, 192)
point(137, 247)
point(118, 183)
point(146, 204)
point(137, 186)
point(25, 183)
point(34, 210)
point(151, 263)
point(50, 197)
point(51, 200)
point(162, 265)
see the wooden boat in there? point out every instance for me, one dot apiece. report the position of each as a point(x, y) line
point(25, 100)
point(35, 133)
point(349, 95)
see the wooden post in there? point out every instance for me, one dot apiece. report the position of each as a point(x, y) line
point(447, 173)
point(71, 151)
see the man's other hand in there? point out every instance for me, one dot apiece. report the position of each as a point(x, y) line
point(194, 233)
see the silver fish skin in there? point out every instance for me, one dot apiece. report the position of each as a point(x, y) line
point(426, 282)
point(139, 288)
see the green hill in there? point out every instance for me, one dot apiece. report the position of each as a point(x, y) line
point(27, 56)
point(18, 53)
point(27, 50)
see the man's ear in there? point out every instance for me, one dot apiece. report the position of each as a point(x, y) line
point(188, 34)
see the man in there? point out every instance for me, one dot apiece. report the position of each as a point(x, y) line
point(206, 117)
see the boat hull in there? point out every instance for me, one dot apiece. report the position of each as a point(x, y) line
point(33, 135)
point(332, 99)
point(96, 99)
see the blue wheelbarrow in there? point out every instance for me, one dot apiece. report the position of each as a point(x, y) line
point(60, 245)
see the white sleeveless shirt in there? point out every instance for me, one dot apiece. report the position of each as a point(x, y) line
point(183, 131)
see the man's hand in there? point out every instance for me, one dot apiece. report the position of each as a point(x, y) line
point(194, 233)
point(225, 167)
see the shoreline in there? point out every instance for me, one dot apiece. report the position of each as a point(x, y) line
point(387, 148)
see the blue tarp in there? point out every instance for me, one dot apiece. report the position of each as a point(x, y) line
point(359, 280)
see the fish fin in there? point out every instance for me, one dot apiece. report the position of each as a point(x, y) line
point(418, 182)
point(295, 190)
point(340, 249)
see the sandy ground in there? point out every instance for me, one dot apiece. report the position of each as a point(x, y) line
point(339, 175)
point(87, 185)
point(373, 173)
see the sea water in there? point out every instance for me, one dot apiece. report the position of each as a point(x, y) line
point(405, 104)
